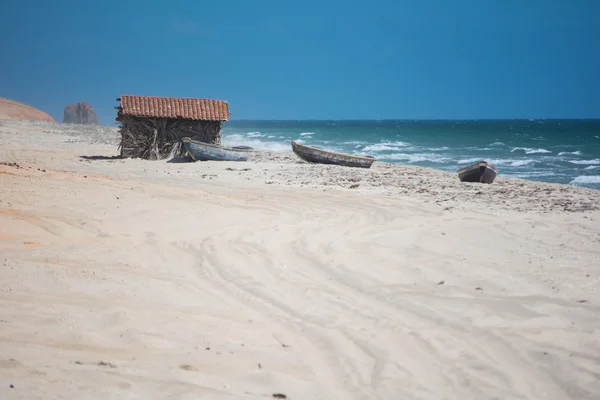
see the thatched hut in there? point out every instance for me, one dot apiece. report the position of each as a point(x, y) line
point(152, 127)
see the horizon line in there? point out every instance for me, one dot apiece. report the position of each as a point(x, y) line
point(420, 119)
point(398, 120)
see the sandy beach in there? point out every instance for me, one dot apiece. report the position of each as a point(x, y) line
point(275, 278)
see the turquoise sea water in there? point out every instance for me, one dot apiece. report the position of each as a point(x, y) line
point(560, 151)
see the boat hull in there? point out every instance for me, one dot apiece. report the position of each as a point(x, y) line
point(482, 172)
point(200, 151)
point(314, 155)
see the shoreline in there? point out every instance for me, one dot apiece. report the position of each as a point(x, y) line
point(285, 169)
point(511, 166)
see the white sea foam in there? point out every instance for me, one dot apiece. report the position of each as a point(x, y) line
point(380, 147)
point(586, 162)
point(354, 142)
point(307, 133)
point(476, 148)
point(242, 140)
point(575, 153)
point(529, 150)
point(415, 157)
point(496, 144)
point(592, 167)
point(528, 175)
point(385, 146)
point(511, 162)
point(254, 134)
point(437, 148)
point(468, 160)
point(521, 163)
point(583, 179)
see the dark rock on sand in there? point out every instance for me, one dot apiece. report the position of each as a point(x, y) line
point(80, 113)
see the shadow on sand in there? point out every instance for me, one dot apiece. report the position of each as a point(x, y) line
point(174, 160)
point(96, 158)
point(177, 160)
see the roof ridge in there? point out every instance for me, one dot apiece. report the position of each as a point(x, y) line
point(172, 97)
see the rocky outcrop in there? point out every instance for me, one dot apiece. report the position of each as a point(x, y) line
point(14, 110)
point(80, 113)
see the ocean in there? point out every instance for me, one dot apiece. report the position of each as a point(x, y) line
point(559, 151)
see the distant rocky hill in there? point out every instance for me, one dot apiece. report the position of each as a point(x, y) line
point(80, 113)
point(14, 110)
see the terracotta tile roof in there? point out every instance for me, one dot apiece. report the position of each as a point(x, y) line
point(170, 107)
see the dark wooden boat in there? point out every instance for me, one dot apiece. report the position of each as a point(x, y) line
point(481, 171)
point(201, 151)
point(315, 155)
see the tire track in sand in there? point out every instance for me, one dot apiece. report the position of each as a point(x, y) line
point(351, 325)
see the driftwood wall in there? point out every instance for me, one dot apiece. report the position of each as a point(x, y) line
point(158, 138)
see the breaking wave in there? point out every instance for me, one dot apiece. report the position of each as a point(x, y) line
point(355, 142)
point(512, 163)
point(583, 179)
point(416, 157)
point(468, 161)
point(585, 162)
point(437, 148)
point(385, 146)
point(529, 150)
point(243, 140)
point(521, 163)
point(531, 174)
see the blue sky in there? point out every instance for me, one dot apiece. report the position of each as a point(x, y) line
point(309, 59)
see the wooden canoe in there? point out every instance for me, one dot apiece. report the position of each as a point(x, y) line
point(315, 155)
point(481, 171)
point(201, 151)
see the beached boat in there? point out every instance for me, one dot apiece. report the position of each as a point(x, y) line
point(315, 155)
point(201, 151)
point(481, 171)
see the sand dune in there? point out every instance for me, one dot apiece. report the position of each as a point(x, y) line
point(139, 279)
point(14, 110)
